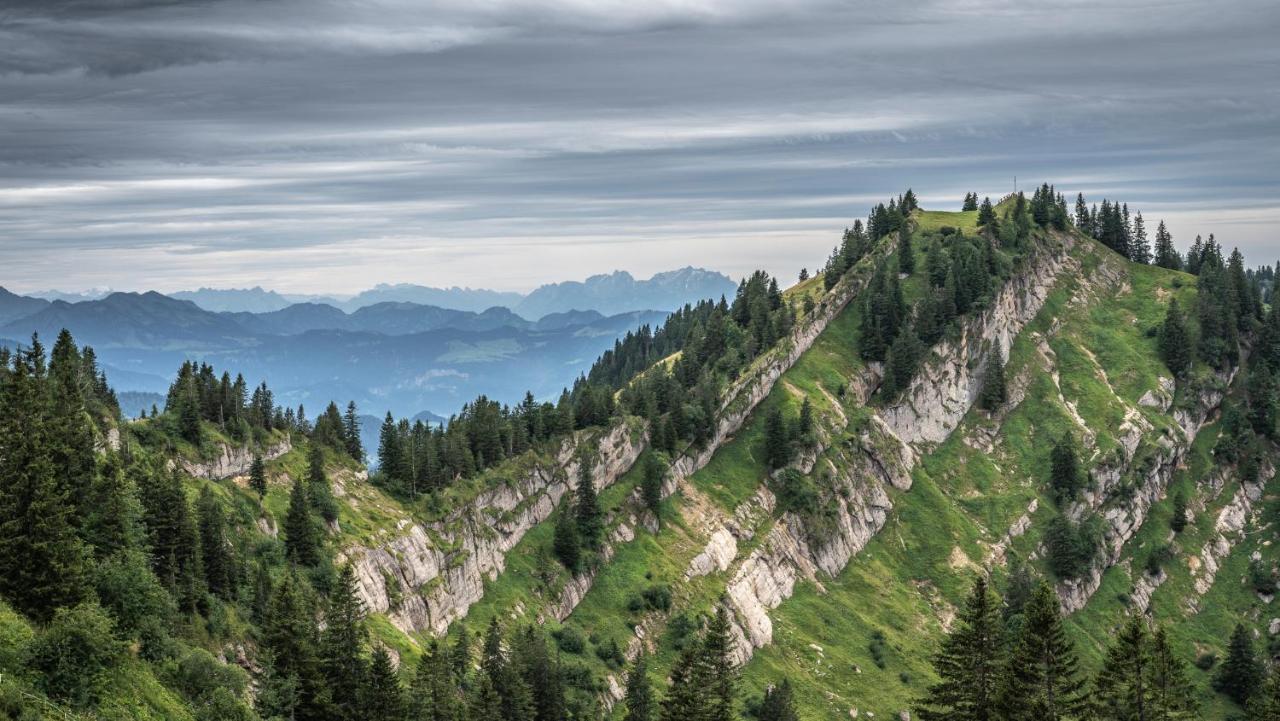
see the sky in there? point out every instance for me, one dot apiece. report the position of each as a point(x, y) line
point(324, 146)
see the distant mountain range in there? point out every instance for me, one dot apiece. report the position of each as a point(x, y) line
point(608, 294)
point(402, 357)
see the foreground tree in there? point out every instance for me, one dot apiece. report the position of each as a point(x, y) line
point(967, 664)
point(1042, 680)
point(1240, 674)
point(639, 699)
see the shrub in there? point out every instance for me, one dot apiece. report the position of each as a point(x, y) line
point(658, 597)
point(1205, 661)
point(569, 639)
point(877, 648)
point(74, 653)
point(611, 654)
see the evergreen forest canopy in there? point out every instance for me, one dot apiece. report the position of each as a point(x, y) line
point(118, 563)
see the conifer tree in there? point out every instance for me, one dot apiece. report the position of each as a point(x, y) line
point(258, 476)
point(804, 425)
point(383, 696)
point(967, 664)
point(902, 362)
point(1065, 477)
point(215, 546)
point(433, 693)
point(351, 433)
point(114, 521)
point(1265, 705)
point(1139, 247)
point(540, 673)
point(342, 646)
point(1261, 391)
point(1122, 689)
point(1240, 674)
point(652, 480)
point(289, 635)
point(906, 253)
point(715, 673)
point(587, 505)
point(639, 699)
point(1171, 698)
point(777, 439)
point(483, 703)
point(994, 393)
point(684, 700)
point(778, 704)
point(1165, 255)
point(565, 542)
point(301, 537)
point(987, 215)
point(318, 490)
point(1174, 343)
point(1179, 519)
point(1041, 681)
point(390, 454)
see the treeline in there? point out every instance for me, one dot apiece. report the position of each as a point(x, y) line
point(711, 342)
point(1013, 660)
point(199, 394)
point(320, 664)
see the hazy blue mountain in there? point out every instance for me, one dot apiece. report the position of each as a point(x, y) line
point(472, 299)
point(618, 292)
point(72, 296)
point(387, 318)
point(133, 320)
point(292, 319)
point(234, 300)
point(555, 321)
point(133, 403)
point(14, 306)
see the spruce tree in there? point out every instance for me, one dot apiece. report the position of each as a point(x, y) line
point(301, 536)
point(215, 546)
point(289, 635)
point(318, 490)
point(1122, 689)
point(1165, 255)
point(714, 672)
point(533, 664)
point(967, 664)
point(351, 433)
point(651, 482)
point(565, 542)
point(906, 253)
point(390, 454)
point(993, 393)
point(433, 695)
point(987, 216)
point(1174, 342)
point(1065, 476)
point(778, 704)
point(258, 476)
point(902, 362)
point(1265, 705)
point(587, 505)
point(1261, 391)
point(684, 700)
point(1179, 519)
point(777, 439)
point(1240, 674)
point(1042, 679)
point(1171, 697)
point(383, 696)
point(342, 646)
point(639, 699)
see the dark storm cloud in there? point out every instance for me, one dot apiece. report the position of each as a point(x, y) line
point(332, 144)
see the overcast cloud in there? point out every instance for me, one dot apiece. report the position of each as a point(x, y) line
point(327, 145)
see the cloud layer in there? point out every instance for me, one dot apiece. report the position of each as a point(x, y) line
point(327, 145)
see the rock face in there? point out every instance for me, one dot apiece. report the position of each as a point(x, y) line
point(434, 575)
point(950, 381)
point(231, 461)
point(424, 578)
point(1123, 519)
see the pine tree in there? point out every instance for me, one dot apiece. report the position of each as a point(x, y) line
point(351, 433)
point(342, 646)
point(383, 696)
point(1174, 343)
point(714, 672)
point(639, 699)
point(684, 700)
point(1166, 256)
point(1042, 679)
point(114, 521)
point(301, 537)
point(1261, 391)
point(258, 476)
point(906, 254)
point(967, 664)
point(289, 636)
point(804, 425)
point(1139, 248)
point(1065, 477)
point(1179, 519)
point(483, 703)
point(970, 202)
point(533, 664)
point(587, 505)
point(993, 393)
point(390, 454)
point(778, 704)
point(902, 362)
point(1240, 674)
point(433, 695)
point(1122, 689)
point(565, 543)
